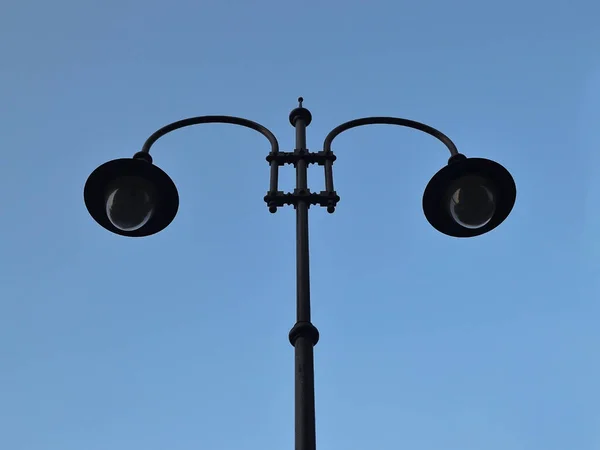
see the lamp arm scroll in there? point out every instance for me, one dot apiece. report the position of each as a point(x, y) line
point(379, 121)
point(226, 120)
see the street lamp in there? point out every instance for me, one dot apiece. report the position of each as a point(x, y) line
point(466, 198)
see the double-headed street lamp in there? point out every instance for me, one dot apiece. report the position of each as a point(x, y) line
point(467, 197)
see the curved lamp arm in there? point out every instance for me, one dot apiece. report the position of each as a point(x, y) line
point(221, 119)
point(376, 121)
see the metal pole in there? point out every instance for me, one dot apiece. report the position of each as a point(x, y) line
point(303, 335)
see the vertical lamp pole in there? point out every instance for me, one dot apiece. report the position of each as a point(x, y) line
point(304, 335)
point(466, 198)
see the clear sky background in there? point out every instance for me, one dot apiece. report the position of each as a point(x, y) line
point(179, 341)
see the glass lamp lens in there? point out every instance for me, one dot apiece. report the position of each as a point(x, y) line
point(472, 202)
point(130, 203)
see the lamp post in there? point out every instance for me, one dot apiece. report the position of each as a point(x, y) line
point(466, 198)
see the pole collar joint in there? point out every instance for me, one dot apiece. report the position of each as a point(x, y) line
point(283, 158)
point(324, 199)
point(304, 330)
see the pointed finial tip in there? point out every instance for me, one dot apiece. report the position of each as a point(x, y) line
point(300, 100)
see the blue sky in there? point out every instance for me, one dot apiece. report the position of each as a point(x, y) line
point(179, 341)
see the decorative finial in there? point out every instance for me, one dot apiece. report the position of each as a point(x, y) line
point(300, 113)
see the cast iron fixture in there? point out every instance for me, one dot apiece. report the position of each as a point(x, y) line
point(466, 198)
